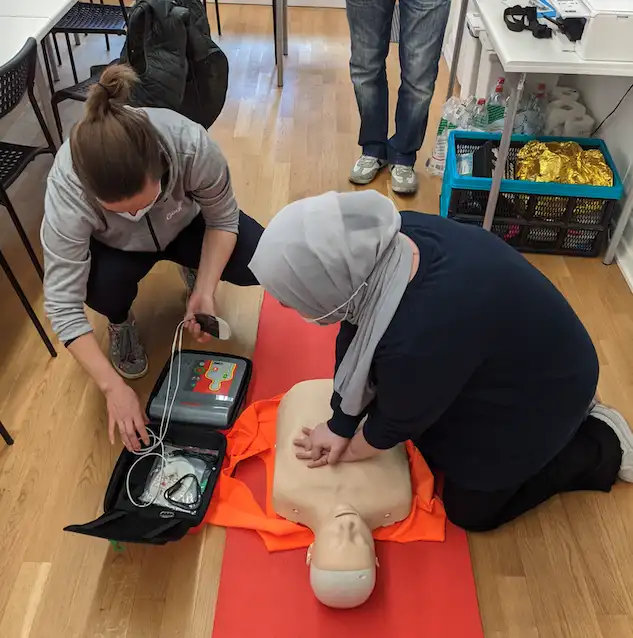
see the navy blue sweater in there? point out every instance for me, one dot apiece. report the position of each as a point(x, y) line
point(485, 366)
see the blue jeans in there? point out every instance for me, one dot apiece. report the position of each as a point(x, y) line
point(422, 26)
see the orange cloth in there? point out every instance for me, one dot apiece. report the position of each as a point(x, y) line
point(233, 503)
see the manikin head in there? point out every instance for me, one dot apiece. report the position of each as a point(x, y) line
point(342, 559)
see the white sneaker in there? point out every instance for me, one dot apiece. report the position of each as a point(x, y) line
point(403, 179)
point(623, 431)
point(366, 169)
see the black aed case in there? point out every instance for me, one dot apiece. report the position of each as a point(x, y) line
point(209, 397)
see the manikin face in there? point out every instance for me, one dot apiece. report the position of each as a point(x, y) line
point(344, 542)
point(343, 560)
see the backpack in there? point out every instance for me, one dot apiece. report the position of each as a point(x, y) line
point(179, 66)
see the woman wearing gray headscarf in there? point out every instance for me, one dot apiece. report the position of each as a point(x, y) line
point(449, 338)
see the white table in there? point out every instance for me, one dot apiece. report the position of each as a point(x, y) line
point(521, 53)
point(24, 19)
point(52, 10)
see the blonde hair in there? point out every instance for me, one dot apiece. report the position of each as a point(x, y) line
point(115, 149)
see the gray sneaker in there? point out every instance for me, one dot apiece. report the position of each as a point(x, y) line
point(127, 353)
point(366, 169)
point(189, 277)
point(403, 179)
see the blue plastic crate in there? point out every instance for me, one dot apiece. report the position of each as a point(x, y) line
point(453, 180)
point(545, 217)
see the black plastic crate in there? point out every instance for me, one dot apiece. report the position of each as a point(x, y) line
point(509, 232)
point(531, 236)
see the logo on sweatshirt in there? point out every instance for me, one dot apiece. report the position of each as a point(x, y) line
point(173, 212)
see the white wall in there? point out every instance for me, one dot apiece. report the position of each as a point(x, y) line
point(601, 95)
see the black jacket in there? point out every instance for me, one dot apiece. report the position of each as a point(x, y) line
point(169, 45)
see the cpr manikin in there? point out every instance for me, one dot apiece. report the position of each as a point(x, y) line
point(341, 504)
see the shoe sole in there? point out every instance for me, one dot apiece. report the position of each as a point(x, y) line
point(404, 191)
point(127, 375)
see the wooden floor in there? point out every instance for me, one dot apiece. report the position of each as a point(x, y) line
point(565, 570)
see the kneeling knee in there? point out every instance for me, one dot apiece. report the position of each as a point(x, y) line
point(471, 521)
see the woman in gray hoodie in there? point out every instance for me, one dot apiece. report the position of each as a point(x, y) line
point(130, 188)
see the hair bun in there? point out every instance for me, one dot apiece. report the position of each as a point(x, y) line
point(105, 88)
point(114, 85)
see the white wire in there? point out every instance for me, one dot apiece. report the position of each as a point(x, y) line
point(176, 348)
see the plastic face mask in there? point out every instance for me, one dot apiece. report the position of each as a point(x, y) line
point(136, 217)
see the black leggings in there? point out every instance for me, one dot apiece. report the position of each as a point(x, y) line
point(115, 274)
point(590, 461)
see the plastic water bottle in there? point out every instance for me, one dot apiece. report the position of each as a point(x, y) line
point(480, 116)
point(537, 108)
point(497, 107)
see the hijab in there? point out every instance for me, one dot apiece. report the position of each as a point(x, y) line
point(339, 256)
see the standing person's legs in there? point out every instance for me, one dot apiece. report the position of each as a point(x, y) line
point(370, 31)
point(590, 461)
point(186, 249)
point(112, 288)
point(422, 26)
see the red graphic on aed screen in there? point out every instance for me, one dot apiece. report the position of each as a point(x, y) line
point(214, 377)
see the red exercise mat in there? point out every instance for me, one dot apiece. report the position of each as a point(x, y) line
point(423, 590)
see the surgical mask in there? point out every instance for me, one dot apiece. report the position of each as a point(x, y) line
point(343, 305)
point(136, 217)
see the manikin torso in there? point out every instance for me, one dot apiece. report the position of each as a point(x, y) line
point(341, 504)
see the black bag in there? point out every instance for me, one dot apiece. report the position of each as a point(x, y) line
point(155, 524)
point(179, 66)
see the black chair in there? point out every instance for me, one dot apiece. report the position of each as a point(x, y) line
point(27, 306)
point(17, 77)
point(78, 92)
point(5, 435)
point(90, 18)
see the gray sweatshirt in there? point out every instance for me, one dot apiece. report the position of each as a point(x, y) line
point(197, 180)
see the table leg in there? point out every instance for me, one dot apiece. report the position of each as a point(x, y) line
point(44, 98)
point(285, 27)
point(51, 58)
point(504, 147)
point(279, 16)
point(77, 40)
point(459, 36)
point(625, 215)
